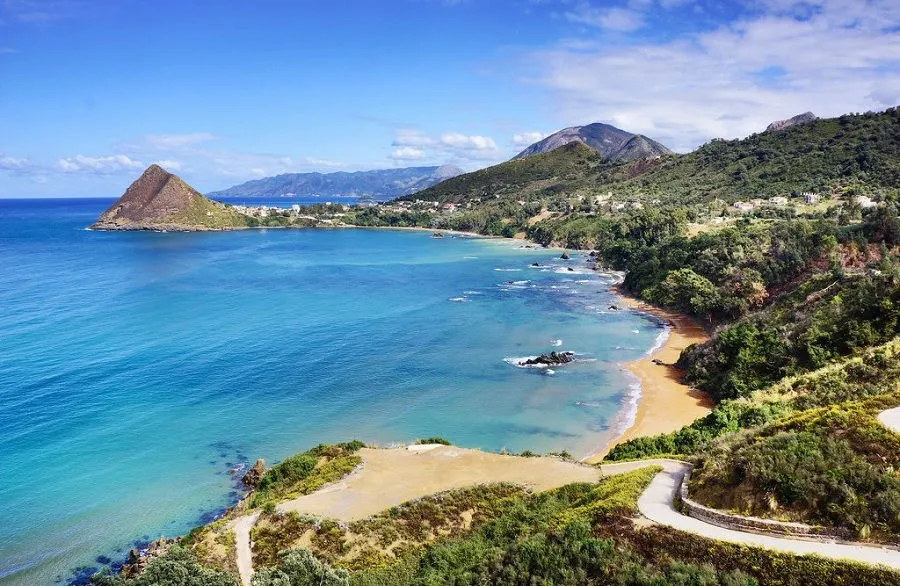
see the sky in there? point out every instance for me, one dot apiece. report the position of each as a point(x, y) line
point(220, 92)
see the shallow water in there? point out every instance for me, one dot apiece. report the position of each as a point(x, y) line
point(136, 369)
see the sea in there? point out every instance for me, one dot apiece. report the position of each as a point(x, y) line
point(141, 372)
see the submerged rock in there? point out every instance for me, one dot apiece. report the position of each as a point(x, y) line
point(255, 474)
point(564, 256)
point(552, 359)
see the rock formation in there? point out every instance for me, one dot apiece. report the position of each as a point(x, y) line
point(798, 119)
point(552, 359)
point(255, 474)
point(159, 200)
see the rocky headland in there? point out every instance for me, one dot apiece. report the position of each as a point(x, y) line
point(159, 200)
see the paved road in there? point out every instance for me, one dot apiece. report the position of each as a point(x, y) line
point(657, 504)
point(890, 419)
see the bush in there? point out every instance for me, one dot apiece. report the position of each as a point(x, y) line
point(299, 567)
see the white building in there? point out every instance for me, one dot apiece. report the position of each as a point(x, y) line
point(865, 202)
point(743, 206)
point(778, 200)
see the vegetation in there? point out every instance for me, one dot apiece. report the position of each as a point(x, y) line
point(857, 153)
point(307, 472)
point(831, 465)
point(179, 567)
point(299, 567)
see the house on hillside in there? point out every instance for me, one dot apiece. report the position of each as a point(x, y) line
point(449, 207)
point(810, 197)
point(743, 206)
point(865, 202)
point(778, 200)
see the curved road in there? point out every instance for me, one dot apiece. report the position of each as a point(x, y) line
point(658, 504)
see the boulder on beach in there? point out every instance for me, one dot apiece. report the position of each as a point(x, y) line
point(552, 359)
point(255, 474)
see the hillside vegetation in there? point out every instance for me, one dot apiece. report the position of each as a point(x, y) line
point(576, 535)
point(857, 152)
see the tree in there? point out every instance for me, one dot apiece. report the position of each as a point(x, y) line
point(299, 567)
point(686, 290)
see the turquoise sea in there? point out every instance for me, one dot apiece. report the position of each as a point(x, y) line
point(138, 369)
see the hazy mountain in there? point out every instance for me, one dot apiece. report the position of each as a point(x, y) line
point(379, 183)
point(798, 119)
point(610, 142)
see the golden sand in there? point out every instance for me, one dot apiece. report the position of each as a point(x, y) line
point(666, 404)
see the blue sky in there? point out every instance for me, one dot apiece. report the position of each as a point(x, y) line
point(91, 91)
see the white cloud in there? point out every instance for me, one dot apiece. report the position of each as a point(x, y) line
point(841, 56)
point(12, 163)
point(256, 171)
point(7, 51)
point(527, 138)
point(412, 138)
point(316, 162)
point(169, 165)
point(616, 19)
point(466, 142)
point(408, 153)
point(415, 145)
point(98, 165)
point(176, 141)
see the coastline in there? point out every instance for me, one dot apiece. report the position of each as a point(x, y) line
point(664, 403)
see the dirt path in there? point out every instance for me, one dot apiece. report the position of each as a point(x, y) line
point(243, 547)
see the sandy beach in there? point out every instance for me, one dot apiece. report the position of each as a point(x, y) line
point(665, 404)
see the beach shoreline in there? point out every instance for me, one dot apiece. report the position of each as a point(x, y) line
point(664, 403)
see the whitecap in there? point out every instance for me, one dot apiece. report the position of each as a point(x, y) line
point(549, 371)
point(508, 270)
point(659, 342)
point(557, 343)
point(471, 292)
point(458, 299)
point(635, 331)
point(518, 360)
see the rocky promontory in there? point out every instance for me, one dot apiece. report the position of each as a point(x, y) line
point(159, 200)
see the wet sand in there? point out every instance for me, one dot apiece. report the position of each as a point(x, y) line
point(666, 404)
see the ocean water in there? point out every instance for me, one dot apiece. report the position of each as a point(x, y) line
point(138, 369)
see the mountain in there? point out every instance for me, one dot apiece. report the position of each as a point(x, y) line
point(612, 143)
point(159, 200)
point(798, 119)
point(563, 169)
point(379, 183)
point(823, 155)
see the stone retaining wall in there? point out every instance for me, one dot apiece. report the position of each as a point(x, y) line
point(719, 518)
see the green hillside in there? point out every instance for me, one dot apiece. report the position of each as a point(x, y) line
point(568, 169)
point(860, 152)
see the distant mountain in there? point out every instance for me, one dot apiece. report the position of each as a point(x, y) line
point(798, 119)
point(379, 183)
point(610, 142)
point(159, 200)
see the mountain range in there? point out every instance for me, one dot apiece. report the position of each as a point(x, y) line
point(611, 143)
point(378, 183)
